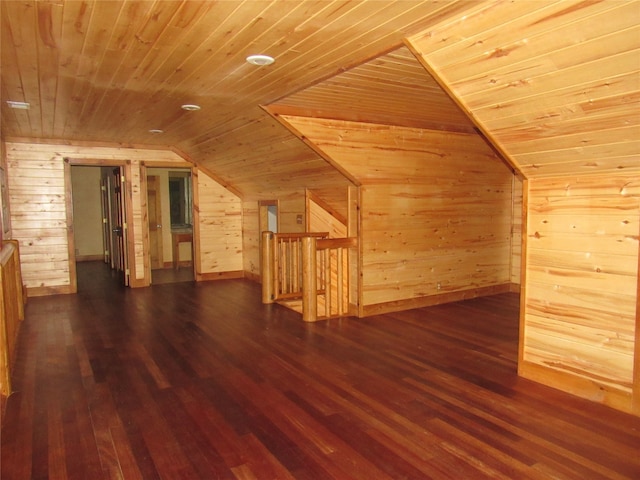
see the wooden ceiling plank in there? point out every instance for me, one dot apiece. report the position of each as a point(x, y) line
point(49, 39)
point(75, 21)
point(16, 122)
point(167, 49)
point(505, 30)
point(544, 143)
point(616, 112)
point(285, 29)
point(612, 165)
point(580, 39)
point(525, 109)
point(197, 47)
point(21, 18)
point(379, 34)
point(559, 63)
point(149, 28)
point(235, 31)
point(589, 153)
point(94, 39)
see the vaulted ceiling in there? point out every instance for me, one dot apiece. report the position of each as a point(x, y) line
point(552, 84)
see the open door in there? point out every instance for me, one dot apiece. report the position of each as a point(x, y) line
point(117, 223)
point(154, 204)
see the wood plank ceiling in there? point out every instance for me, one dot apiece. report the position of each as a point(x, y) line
point(554, 84)
point(110, 71)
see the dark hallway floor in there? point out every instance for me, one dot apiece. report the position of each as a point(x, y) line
point(201, 381)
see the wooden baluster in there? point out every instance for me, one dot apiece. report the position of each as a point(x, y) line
point(309, 280)
point(267, 267)
point(282, 267)
point(296, 267)
point(327, 282)
point(340, 277)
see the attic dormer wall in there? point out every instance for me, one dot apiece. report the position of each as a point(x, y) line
point(435, 211)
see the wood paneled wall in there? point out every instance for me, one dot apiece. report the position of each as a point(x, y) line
point(580, 310)
point(435, 210)
point(39, 213)
point(36, 181)
point(220, 231)
point(321, 218)
point(251, 239)
point(516, 233)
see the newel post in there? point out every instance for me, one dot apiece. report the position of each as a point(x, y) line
point(267, 266)
point(309, 280)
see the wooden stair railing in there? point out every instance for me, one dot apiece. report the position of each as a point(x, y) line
point(12, 300)
point(309, 267)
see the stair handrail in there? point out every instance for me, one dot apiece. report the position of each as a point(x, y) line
point(308, 266)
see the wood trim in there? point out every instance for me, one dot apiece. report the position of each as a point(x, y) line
point(131, 251)
point(195, 241)
point(161, 164)
point(71, 242)
point(125, 166)
point(89, 258)
point(220, 276)
point(523, 271)
point(331, 211)
point(312, 146)
point(144, 210)
point(209, 173)
point(96, 162)
point(581, 387)
point(45, 291)
point(370, 118)
point(254, 277)
point(88, 144)
point(358, 199)
point(399, 305)
point(482, 131)
point(348, 242)
point(635, 403)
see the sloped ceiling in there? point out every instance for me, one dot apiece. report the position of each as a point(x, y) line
point(392, 89)
point(553, 84)
point(109, 71)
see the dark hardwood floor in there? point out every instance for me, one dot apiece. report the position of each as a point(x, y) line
point(202, 381)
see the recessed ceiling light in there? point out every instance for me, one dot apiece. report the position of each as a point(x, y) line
point(18, 105)
point(260, 60)
point(191, 108)
point(156, 130)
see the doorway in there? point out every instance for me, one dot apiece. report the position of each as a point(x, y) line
point(170, 214)
point(99, 205)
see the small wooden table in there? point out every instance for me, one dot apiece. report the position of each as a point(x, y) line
point(179, 236)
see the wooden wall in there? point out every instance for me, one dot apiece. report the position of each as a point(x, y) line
point(435, 211)
point(516, 233)
point(36, 181)
point(291, 218)
point(39, 212)
point(322, 219)
point(220, 230)
point(580, 310)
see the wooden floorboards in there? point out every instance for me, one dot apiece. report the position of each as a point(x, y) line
point(202, 381)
